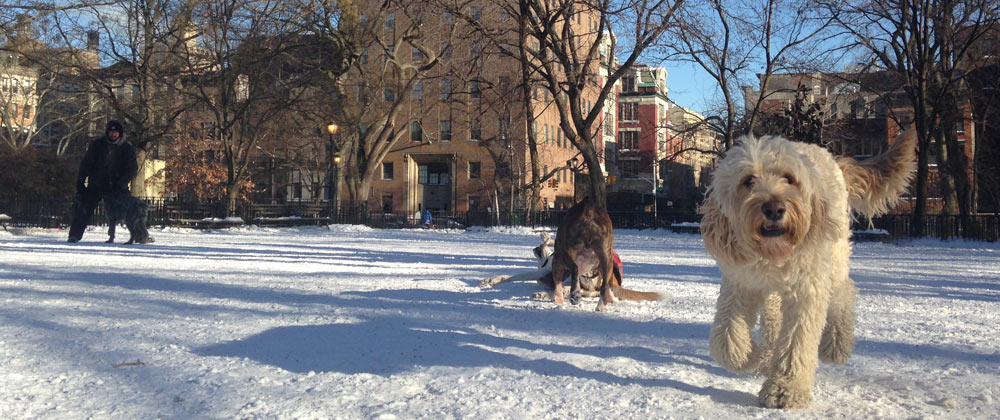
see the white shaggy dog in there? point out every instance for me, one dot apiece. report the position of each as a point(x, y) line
point(776, 218)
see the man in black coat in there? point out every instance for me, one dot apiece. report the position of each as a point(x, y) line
point(107, 168)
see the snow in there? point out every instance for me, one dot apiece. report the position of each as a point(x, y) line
point(349, 322)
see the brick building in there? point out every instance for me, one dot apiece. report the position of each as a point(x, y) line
point(858, 120)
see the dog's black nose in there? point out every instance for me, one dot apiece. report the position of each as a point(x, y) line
point(773, 210)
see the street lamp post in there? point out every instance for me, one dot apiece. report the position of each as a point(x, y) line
point(334, 169)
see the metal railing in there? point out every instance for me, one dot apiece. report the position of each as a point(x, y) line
point(58, 213)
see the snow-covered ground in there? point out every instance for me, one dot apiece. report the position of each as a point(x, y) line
point(353, 323)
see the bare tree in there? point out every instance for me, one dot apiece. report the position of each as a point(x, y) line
point(237, 78)
point(745, 45)
point(922, 42)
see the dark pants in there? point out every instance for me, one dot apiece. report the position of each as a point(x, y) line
point(83, 212)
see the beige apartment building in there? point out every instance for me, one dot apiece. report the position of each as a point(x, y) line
point(464, 128)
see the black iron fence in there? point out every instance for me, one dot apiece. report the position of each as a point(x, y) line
point(58, 213)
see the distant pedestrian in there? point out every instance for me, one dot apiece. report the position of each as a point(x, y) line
point(428, 220)
point(107, 168)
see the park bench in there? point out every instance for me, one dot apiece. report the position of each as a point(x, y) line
point(206, 223)
point(872, 235)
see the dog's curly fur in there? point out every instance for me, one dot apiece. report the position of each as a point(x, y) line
point(119, 207)
point(776, 218)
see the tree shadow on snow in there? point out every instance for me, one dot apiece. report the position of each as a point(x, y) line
point(391, 345)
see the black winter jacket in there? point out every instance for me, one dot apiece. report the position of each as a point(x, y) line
point(106, 166)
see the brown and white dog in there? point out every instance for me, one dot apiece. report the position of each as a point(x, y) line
point(584, 244)
point(589, 282)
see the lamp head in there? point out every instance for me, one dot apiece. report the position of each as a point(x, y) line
point(337, 158)
point(332, 128)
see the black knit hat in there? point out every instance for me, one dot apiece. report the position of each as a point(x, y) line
point(114, 125)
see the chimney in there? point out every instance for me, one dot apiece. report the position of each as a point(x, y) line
point(93, 41)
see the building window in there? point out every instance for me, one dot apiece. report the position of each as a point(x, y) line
point(475, 91)
point(416, 131)
point(445, 129)
point(477, 13)
point(474, 170)
point(445, 90)
point(447, 17)
point(390, 95)
point(503, 127)
point(296, 185)
point(387, 170)
point(390, 20)
point(418, 91)
point(628, 112)
point(417, 55)
point(433, 174)
point(474, 203)
point(629, 168)
point(628, 140)
point(628, 84)
point(609, 124)
point(475, 130)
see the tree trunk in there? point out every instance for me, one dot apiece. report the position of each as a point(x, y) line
point(138, 187)
point(232, 198)
point(529, 117)
point(946, 183)
point(920, 195)
point(597, 188)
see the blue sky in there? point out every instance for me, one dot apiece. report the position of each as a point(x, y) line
point(690, 86)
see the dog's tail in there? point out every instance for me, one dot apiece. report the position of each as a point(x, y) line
point(875, 184)
point(629, 294)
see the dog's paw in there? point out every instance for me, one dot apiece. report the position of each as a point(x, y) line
point(110, 241)
point(492, 281)
point(601, 306)
point(836, 345)
point(732, 347)
point(575, 297)
point(542, 296)
point(776, 394)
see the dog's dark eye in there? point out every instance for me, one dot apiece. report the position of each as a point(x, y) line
point(790, 179)
point(748, 181)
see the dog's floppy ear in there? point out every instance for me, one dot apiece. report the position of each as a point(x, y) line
point(821, 222)
point(719, 237)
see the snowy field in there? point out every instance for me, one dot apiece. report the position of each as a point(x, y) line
point(353, 323)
